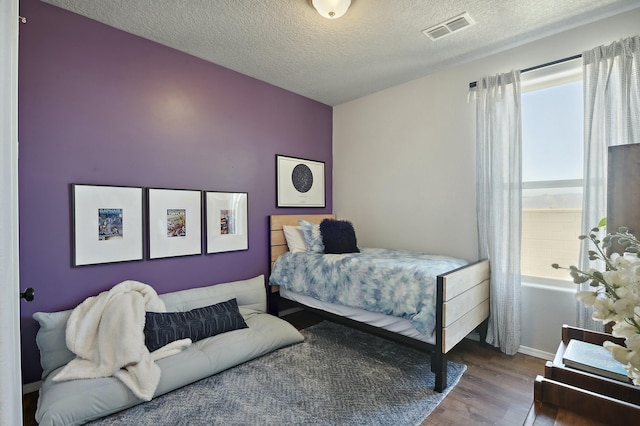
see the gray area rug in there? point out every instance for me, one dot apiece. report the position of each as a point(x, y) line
point(337, 376)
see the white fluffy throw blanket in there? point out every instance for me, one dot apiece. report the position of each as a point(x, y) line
point(106, 332)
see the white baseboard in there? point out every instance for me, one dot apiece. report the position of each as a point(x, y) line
point(536, 353)
point(522, 349)
point(31, 387)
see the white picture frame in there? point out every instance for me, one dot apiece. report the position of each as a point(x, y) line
point(299, 182)
point(226, 219)
point(107, 224)
point(174, 218)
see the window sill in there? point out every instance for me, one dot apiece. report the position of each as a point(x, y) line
point(549, 283)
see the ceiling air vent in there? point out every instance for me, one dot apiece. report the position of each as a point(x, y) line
point(450, 26)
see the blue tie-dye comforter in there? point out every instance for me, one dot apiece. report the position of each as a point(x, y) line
point(392, 282)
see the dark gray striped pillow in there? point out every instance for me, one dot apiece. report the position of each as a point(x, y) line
point(161, 328)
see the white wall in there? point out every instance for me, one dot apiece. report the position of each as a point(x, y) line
point(404, 158)
point(544, 310)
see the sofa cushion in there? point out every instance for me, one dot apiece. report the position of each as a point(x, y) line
point(162, 328)
point(51, 340)
point(250, 295)
point(76, 402)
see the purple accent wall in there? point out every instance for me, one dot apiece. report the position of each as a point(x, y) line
point(98, 105)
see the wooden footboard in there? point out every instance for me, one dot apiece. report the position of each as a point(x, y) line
point(462, 300)
point(462, 304)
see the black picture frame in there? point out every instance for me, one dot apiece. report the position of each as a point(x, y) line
point(174, 222)
point(107, 224)
point(299, 182)
point(226, 221)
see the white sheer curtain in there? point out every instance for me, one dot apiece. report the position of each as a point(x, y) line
point(10, 377)
point(611, 117)
point(499, 200)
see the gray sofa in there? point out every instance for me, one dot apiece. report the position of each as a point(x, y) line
point(78, 401)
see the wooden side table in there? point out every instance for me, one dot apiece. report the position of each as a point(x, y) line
point(592, 396)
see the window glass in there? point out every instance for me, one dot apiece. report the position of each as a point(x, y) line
point(552, 162)
point(552, 133)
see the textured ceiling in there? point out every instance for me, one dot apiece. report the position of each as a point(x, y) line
point(376, 45)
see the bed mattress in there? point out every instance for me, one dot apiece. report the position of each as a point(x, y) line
point(395, 283)
point(394, 324)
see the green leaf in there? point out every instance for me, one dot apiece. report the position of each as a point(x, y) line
point(602, 223)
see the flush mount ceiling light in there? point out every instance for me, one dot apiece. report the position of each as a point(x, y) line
point(331, 9)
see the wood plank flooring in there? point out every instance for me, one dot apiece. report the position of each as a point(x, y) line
point(29, 405)
point(496, 389)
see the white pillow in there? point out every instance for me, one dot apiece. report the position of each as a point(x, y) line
point(295, 238)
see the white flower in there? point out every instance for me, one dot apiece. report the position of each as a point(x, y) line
point(614, 278)
point(623, 329)
point(633, 343)
point(587, 297)
point(625, 306)
point(603, 310)
point(616, 296)
point(634, 359)
point(620, 353)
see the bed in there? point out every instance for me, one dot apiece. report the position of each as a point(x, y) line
point(461, 300)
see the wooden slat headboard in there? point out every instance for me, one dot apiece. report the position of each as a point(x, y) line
point(278, 244)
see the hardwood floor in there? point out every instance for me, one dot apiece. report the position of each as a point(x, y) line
point(496, 389)
point(29, 404)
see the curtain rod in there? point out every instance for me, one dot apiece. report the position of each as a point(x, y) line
point(537, 67)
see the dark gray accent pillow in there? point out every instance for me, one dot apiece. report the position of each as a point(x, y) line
point(338, 236)
point(161, 328)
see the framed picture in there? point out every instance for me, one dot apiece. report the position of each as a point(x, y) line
point(107, 224)
point(175, 222)
point(226, 221)
point(300, 182)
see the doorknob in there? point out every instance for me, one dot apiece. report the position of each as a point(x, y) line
point(28, 294)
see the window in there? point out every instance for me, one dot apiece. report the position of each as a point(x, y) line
point(552, 162)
